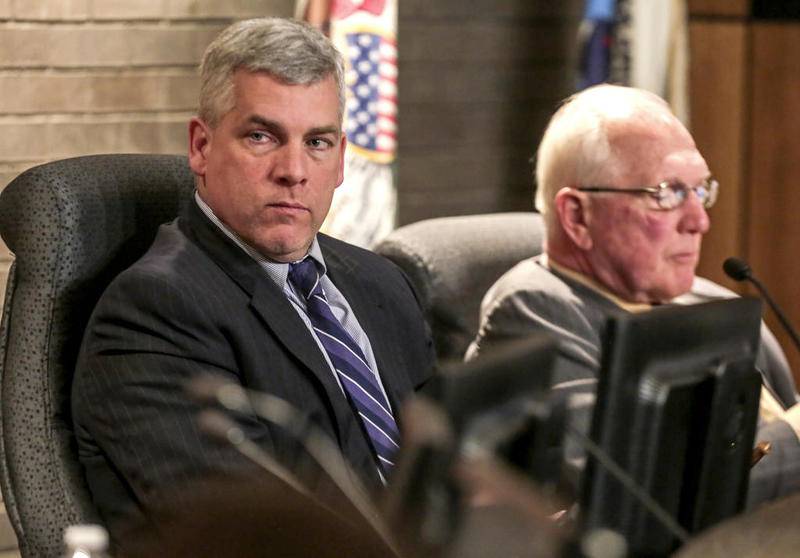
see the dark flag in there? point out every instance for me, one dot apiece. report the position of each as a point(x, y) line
point(596, 36)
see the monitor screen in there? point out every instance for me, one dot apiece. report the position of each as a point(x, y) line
point(474, 406)
point(677, 405)
point(472, 390)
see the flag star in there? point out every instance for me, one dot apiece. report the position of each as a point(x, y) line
point(363, 91)
point(354, 52)
point(364, 67)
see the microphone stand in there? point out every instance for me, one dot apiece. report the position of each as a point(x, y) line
point(235, 398)
point(778, 312)
point(738, 270)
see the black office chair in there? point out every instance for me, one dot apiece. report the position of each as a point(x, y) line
point(452, 262)
point(72, 225)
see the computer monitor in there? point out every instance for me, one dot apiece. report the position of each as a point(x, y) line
point(480, 404)
point(520, 369)
point(676, 409)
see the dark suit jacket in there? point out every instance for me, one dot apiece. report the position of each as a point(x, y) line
point(195, 303)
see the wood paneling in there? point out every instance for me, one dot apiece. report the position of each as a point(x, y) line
point(478, 81)
point(718, 90)
point(745, 105)
point(719, 7)
point(774, 194)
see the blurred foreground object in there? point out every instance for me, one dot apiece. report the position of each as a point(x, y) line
point(85, 541)
point(464, 486)
point(254, 517)
point(770, 530)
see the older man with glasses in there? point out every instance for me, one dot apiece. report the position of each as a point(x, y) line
point(623, 192)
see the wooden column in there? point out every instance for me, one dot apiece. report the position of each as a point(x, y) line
point(745, 97)
point(773, 232)
point(719, 123)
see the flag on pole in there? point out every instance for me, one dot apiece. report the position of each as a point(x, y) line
point(651, 49)
point(596, 37)
point(660, 51)
point(364, 206)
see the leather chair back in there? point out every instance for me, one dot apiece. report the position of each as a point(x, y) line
point(73, 225)
point(452, 262)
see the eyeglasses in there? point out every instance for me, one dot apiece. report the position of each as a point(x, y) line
point(668, 195)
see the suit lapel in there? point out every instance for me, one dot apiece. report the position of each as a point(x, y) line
point(278, 314)
point(267, 301)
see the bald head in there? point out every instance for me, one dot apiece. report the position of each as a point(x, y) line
point(594, 137)
point(602, 160)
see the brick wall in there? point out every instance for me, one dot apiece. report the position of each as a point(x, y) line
point(100, 76)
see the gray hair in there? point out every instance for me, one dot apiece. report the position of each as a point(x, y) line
point(291, 51)
point(576, 148)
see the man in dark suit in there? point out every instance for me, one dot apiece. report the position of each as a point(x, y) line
point(221, 292)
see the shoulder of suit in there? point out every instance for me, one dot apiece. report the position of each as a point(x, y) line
point(529, 284)
point(171, 257)
point(334, 249)
point(529, 279)
point(330, 243)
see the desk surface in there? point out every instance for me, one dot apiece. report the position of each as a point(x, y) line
point(770, 530)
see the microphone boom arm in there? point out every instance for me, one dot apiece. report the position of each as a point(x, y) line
point(778, 312)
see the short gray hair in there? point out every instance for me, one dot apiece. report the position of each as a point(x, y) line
point(576, 149)
point(291, 51)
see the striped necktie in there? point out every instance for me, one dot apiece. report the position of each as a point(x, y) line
point(355, 375)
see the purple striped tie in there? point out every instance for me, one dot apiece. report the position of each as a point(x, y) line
point(348, 359)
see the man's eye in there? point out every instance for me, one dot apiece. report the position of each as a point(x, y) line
point(678, 189)
point(320, 143)
point(258, 136)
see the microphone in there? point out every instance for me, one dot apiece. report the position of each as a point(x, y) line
point(738, 270)
point(232, 397)
point(423, 502)
point(220, 426)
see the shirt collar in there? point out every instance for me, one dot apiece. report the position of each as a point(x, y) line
point(633, 307)
point(277, 271)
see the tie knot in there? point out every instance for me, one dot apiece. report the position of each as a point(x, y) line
point(304, 275)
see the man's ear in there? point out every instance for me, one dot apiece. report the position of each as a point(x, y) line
point(199, 144)
point(342, 147)
point(573, 214)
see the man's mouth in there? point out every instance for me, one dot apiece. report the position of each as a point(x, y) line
point(288, 206)
point(685, 257)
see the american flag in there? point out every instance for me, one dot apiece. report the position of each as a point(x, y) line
point(364, 207)
point(371, 121)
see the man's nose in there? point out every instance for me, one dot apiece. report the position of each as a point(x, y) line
point(695, 217)
point(289, 167)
